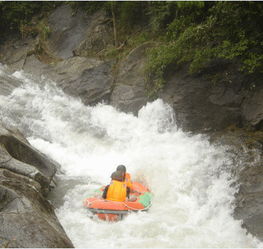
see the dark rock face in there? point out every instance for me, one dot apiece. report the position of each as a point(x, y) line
point(27, 219)
point(7, 83)
point(252, 108)
point(250, 200)
point(77, 33)
point(72, 34)
point(19, 156)
point(68, 31)
point(91, 81)
point(98, 36)
point(129, 93)
point(13, 53)
point(246, 151)
point(199, 106)
point(25, 160)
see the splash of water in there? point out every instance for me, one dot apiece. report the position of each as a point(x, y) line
point(193, 200)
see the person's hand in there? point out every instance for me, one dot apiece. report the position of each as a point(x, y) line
point(133, 198)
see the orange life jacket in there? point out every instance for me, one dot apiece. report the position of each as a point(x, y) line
point(117, 191)
point(128, 180)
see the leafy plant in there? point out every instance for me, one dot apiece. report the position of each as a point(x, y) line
point(15, 16)
point(202, 33)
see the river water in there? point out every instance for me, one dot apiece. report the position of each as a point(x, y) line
point(193, 198)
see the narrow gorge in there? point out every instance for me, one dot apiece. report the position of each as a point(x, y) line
point(69, 114)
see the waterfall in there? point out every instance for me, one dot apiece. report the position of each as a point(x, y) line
point(193, 192)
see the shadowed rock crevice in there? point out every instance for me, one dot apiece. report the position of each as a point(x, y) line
point(25, 153)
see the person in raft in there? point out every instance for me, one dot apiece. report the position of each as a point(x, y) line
point(126, 176)
point(118, 189)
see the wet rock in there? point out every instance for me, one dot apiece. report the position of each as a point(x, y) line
point(89, 79)
point(34, 66)
point(27, 219)
point(199, 105)
point(7, 82)
point(98, 36)
point(21, 158)
point(246, 151)
point(129, 93)
point(14, 53)
point(221, 95)
point(250, 200)
point(67, 30)
point(75, 33)
point(252, 108)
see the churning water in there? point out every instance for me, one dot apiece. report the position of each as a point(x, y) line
point(193, 200)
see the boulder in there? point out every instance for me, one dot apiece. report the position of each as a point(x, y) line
point(14, 52)
point(34, 66)
point(89, 79)
point(20, 157)
point(27, 219)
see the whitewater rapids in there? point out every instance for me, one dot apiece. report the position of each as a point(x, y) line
point(193, 196)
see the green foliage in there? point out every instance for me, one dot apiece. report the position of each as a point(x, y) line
point(44, 30)
point(254, 62)
point(15, 15)
point(189, 32)
point(203, 32)
point(138, 39)
point(158, 59)
point(89, 7)
point(41, 29)
point(130, 13)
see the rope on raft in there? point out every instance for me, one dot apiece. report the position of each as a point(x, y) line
point(132, 208)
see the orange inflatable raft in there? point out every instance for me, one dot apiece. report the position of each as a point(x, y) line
point(116, 210)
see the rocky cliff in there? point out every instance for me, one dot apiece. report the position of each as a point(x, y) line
point(26, 175)
point(221, 108)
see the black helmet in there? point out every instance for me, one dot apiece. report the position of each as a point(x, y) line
point(117, 175)
point(121, 168)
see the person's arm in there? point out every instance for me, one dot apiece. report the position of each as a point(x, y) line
point(128, 180)
point(128, 190)
point(104, 195)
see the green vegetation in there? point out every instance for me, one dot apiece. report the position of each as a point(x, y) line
point(202, 33)
point(17, 16)
point(187, 33)
point(40, 28)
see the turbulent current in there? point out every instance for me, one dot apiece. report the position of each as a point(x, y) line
point(193, 198)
